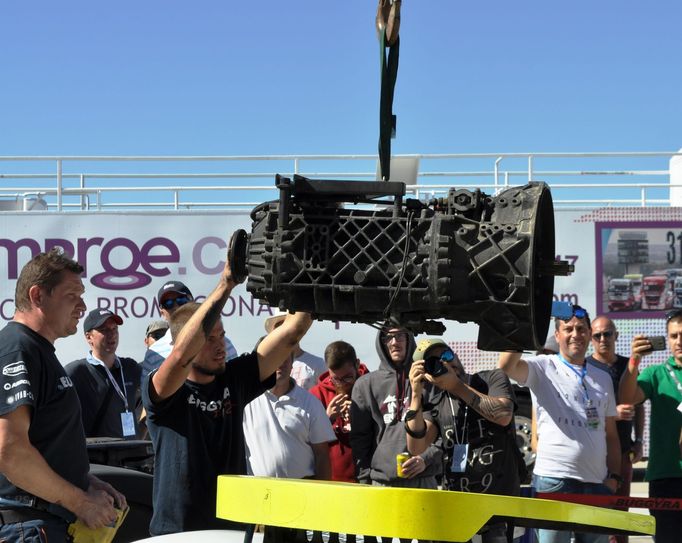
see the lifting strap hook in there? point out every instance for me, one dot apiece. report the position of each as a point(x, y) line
point(388, 20)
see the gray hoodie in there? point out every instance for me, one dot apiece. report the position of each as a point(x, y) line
point(379, 401)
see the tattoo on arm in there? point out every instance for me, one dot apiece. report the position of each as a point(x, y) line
point(211, 317)
point(491, 408)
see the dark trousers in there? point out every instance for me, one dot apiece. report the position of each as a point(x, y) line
point(668, 523)
point(35, 531)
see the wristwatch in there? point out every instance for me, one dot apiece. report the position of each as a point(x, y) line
point(616, 477)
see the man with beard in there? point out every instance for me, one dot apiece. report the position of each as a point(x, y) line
point(195, 404)
point(474, 416)
point(578, 446)
point(661, 384)
point(334, 390)
point(379, 402)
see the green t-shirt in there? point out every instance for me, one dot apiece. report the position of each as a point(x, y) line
point(665, 395)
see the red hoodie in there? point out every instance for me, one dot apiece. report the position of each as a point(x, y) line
point(340, 452)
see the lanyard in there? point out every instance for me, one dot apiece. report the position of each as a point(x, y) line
point(121, 394)
point(581, 375)
point(458, 440)
point(674, 378)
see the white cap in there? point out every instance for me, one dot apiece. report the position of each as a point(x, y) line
point(275, 320)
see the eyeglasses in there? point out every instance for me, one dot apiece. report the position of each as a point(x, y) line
point(157, 334)
point(398, 336)
point(172, 302)
point(606, 335)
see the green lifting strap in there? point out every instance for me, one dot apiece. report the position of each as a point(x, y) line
point(387, 120)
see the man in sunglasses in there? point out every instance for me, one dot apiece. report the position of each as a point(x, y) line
point(379, 404)
point(474, 416)
point(661, 384)
point(628, 416)
point(578, 446)
point(171, 296)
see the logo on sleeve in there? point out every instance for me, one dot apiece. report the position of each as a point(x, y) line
point(15, 368)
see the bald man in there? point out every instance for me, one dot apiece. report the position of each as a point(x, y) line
point(604, 337)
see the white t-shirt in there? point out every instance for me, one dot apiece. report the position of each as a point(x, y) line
point(307, 369)
point(279, 432)
point(567, 446)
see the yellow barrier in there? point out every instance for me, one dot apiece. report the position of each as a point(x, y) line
point(407, 513)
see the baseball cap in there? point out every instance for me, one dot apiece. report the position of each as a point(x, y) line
point(156, 325)
point(424, 345)
point(276, 319)
point(97, 317)
point(174, 286)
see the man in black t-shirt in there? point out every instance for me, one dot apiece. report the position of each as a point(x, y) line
point(194, 403)
point(108, 386)
point(474, 416)
point(44, 480)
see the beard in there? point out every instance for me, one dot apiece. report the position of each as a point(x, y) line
point(208, 371)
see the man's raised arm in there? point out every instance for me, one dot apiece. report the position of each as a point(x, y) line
point(174, 371)
point(514, 366)
point(278, 344)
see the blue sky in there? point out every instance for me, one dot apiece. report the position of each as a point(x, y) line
point(272, 77)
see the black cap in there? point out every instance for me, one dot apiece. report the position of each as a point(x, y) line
point(174, 286)
point(97, 317)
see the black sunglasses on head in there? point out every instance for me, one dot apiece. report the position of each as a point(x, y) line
point(179, 301)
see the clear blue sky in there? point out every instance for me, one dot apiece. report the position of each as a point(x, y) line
point(270, 77)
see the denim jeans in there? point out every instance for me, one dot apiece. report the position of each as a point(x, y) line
point(35, 531)
point(570, 486)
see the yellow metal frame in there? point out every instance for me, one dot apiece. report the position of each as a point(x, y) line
point(401, 512)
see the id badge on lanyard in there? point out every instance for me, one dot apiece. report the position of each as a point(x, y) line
point(128, 423)
point(592, 415)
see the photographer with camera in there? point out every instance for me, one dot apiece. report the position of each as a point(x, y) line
point(661, 384)
point(474, 416)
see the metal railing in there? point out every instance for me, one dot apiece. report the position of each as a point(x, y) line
point(74, 183)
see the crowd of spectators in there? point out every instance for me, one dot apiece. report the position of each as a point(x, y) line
point(417, 421)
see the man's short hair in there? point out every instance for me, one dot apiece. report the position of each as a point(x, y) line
point(180, 317)
point(44, 270)
point(338, 354)
point(674, 315)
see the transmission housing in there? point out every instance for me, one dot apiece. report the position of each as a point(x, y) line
point(360, 252)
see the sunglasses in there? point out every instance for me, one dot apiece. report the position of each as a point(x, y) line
point(606, 335)
point(157, 334)
point(445, 356)
point(576, 311)
point(179, 301)
point(399, 336)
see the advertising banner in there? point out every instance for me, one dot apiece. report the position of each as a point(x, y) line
point(127, 256)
